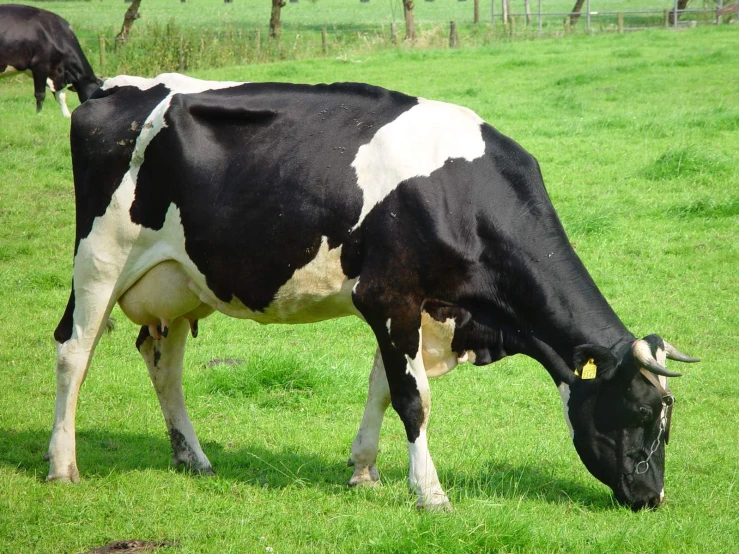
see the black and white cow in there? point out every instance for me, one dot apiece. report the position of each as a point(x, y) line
point(41, 43)
point(290, 203)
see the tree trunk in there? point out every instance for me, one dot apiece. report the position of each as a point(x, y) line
point(681, 5)
point(476, 18)
point(275, 25)
point(527, 9)
point(576, 11)
point(410, 26)
point(132, 14)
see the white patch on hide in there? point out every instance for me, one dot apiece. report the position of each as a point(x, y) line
point(438, 356)
point(315, 292)
point(564, 393)
point(415, 144)
point(173, 81)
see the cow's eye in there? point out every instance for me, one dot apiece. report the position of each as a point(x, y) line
point(646, 412)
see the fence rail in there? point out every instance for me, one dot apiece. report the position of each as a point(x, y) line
point(157, 47)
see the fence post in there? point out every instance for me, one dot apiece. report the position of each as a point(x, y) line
point(674, 17)
point(511, 25)
point(718, 9)
point(393, 33)
point(587, 7)
point(452, 34)
point(324, 40)
point(620, 22)
point(567, 24)
point(257, 44)
point(666, 16)
point(182, 53)
point(492, 14)
point(540, 16)
point(101, 40)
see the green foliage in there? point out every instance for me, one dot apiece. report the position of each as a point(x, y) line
point(640, 163)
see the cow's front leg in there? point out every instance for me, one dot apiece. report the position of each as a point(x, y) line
point(410, 395)
point(164, 357)
point(365, 445)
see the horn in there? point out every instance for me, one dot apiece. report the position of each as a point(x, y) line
point(674, 354)
point(643, 355)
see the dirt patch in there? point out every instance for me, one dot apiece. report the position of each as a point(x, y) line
point(119, 547)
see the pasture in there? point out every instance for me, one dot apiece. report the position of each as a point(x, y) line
point(637, 138)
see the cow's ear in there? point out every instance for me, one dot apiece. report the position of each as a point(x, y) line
point(594, 362)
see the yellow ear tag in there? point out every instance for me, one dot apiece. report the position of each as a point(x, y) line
point(589, 370)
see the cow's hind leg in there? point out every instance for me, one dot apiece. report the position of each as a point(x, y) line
point(164, 357)
point(76, 340)
point(365, 445)
point(40, 75)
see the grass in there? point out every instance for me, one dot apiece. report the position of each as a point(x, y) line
point(637, 138)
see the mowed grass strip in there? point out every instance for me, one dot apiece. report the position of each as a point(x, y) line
point(637, 138)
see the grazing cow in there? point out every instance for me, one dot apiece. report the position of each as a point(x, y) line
point(42, 43)
point(288, 203)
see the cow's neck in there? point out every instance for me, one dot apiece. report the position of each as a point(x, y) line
point(555, 304)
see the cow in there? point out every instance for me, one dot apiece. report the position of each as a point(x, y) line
point(288, 203)
point(42, 44)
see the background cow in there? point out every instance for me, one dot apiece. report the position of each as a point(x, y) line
point(290, 203)
point(42, 43)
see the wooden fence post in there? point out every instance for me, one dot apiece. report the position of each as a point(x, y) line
point(393, 33)
point(257, 44)
point(666, 17)
point(476, 14)
point(101, 40)
point(324, 40)
point(620, 22)
point(182, 53)
point(452, 34)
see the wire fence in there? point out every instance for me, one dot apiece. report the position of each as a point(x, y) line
point(156, 47)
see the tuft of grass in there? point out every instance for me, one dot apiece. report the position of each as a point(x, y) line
point(705, 208)
point(269, 379)
point(686, 162)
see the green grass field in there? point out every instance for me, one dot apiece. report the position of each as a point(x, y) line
point(637, 136)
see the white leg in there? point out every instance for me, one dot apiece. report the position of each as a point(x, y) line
point(422, 474)
point(72, 363)
point(164, 357)
point(61, 97)
point(365, 445)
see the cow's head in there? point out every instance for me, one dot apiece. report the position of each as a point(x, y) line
point(619, 412)
point(618, 409)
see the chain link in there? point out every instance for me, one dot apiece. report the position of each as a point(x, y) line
point(667, 401)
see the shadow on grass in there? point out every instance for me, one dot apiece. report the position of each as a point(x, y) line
point(103, 454)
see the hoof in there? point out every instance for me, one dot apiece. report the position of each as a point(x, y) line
point(438, 503)
point(365, 476)
point(70, 475)
point(201, 470)
point(204, 472)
